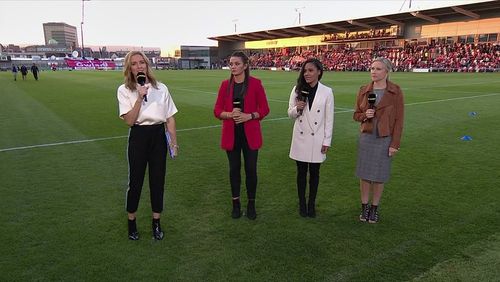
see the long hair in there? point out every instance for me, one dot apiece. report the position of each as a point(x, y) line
point(301, 81)
point(387, 64)
point(244, 59)
point(130, 80)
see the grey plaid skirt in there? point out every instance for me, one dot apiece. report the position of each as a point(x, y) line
point(374, 163)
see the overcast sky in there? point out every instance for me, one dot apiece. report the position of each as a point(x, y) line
point(168, 24)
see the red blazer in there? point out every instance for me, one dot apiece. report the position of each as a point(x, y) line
point(255, 101)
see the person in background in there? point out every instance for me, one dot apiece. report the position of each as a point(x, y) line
point(14, 72)
point(311, 106)
point(24, 71)
point(241, 104)
point(34, 70)
point(380, 137)
point(149, 111)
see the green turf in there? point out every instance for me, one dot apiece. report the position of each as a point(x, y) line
point(63, 214)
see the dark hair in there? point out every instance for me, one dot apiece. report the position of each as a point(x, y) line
point(245, 60)
point(301, 81)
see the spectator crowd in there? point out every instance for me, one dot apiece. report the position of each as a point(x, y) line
point(457, 57)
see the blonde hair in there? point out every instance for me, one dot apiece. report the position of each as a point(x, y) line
point(387, 63)
point(130, 80)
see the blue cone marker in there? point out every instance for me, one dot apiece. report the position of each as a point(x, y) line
point(466, 138)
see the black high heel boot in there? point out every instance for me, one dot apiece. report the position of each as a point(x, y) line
point(311, 209)
point(251, 213)
point(132, 230)
point(157, 232)
point(236, 209)
point(302, 208)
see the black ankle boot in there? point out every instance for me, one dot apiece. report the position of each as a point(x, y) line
point(365, 212)
point(303, 208)
point(373, 217)
point(251, 213)
point(132, 230)
point(311, 209)
point(236, 209)
point(157, 232)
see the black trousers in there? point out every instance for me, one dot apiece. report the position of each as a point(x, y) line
point(147, 147)
point(234, 157)
point(302, 168)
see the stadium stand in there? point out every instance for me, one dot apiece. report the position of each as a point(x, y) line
point(463, 38)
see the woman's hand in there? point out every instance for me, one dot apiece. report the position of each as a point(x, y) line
point(370, 113)
point(392, 151)
point(300, 105)
point(324, 149)
point(240, 117)
point(175, 150)
point(142, 90)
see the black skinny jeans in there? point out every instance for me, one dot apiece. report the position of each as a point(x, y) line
point(234, 157)
point(146, 147)
point(302, 168)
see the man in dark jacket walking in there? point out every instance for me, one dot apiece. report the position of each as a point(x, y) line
point(34, 70)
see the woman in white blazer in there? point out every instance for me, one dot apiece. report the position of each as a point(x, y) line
point(311, 105)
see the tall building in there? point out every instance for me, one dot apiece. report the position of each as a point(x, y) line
point(60, 34)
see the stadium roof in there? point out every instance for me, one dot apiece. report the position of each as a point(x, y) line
point(437, 15)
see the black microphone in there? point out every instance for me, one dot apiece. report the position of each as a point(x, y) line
point(302, 97)
point(372, 98)
point(237, 103)
point(141, 79)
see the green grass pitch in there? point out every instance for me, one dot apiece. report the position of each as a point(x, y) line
point(63, 178)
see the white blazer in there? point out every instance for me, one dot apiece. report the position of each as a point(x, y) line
point(314, 128)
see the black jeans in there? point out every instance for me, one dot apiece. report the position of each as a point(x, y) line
point(234, 157)
point(302, 168)
point(146, 147)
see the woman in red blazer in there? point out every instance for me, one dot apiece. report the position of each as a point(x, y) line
point(241, 105)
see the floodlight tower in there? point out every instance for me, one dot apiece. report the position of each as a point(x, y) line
point(235, 21)
point(81, 27)
point(299, 10)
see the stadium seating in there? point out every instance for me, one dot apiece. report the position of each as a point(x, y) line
point(457, 57)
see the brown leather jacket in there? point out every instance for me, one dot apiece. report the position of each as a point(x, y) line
point(389, 112)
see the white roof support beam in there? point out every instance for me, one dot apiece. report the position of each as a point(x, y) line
point(424, 17)
point(466, 12)
point(295, 32)
point(317, 30)
point(387, 20)
point(335, 27)
point(251, 37)
point(360, 24)
point(264, 35)
point(274, 33)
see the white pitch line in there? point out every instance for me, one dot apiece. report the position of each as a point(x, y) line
point(60, 143)
point(452, 99)
point(217, 126)
point(213, 93)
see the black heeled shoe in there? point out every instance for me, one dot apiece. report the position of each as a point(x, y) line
point(157, 232)
point(132, 230)
point(236, 213)
point(251, 213)
point(311, 210)
point(303, 209)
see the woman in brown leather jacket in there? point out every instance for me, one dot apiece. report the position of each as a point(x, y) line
point(380, 110)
